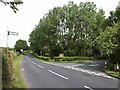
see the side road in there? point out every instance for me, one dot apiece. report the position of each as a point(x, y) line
point(43, 75)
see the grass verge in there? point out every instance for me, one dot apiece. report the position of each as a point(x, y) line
point(18, 81)
point(113, 73)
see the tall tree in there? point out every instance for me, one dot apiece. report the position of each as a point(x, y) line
point(21, 44)
point(71, 29)
point(115, 56)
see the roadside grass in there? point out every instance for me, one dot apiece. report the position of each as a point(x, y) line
point(18, 81)
point(113, 73)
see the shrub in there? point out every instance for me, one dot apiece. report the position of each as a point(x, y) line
point(110, 66)
point(7, 67)
point(72, 58)
point(44, 58)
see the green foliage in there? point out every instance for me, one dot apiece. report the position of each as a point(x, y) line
point(11, 71)
point(21, 44)
point(115, 56)
point(117, 13)
point(72, 58)
point(106, 41)
point(78, 30)
point(113, 73)
point(7, 68)
point(18, 80)
point(65, 58)
point(71, 29)
point(44, 58)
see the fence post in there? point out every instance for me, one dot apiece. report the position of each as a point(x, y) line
point(105, 64)
point(117, 67)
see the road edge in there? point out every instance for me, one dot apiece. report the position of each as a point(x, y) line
point(111, 75)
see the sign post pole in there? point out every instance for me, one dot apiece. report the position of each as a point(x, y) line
point(7, 40)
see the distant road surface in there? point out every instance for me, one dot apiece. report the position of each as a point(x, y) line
point(48, 75)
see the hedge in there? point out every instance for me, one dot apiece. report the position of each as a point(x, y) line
point(57, 58)
point(7, 68)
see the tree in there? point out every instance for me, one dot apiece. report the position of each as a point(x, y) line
point(115, 55)
point(106, 41)
point(12, 4)
point(71, 29)
point(21, 44)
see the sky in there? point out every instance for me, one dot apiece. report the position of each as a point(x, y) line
point(29, 14)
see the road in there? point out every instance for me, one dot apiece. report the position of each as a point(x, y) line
point(47, 75)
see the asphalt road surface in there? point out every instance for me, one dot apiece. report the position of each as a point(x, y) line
point(48, 75)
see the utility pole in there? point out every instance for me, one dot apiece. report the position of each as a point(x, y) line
point(10, 33)
point(7, 39)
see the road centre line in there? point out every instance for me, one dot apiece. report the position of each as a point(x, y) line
point(31, 61)
point(28, 58)
point(35, 63)
point(40, 66)
point(58, 74)
point(88, 88)
point(83, 70)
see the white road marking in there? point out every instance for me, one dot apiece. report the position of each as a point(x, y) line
point(102, 74)
point(58, 74)
point(34, 63)
point(77, 69)
point(68, 66)
point(108, 76)
point(88, 71)
point(65, 66)
point(92, 72)
point(73, 68)
point(22, 69)
point(28, 58)
point(83, 70)
point(97, 74)
point(94, 65)
point(88, 88)
point(40, 66)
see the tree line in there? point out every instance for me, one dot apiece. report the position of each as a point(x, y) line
point(78, 30)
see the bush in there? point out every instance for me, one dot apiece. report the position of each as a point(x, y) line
point(7, 68)
point(72, 58)
point(44, 58)
point(110, 66)
point(115, 56)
